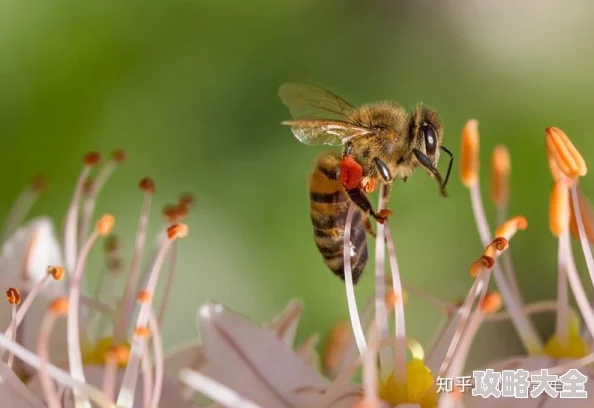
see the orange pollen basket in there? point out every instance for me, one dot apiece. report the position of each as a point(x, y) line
point(351, 172)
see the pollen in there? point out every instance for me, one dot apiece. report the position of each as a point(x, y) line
point(59, 306)
point(500, 169)
point(469, 161)
point(509, 228)
point(142, 331)
point(367, 184)
point(498, 245)
point(351, 172)
point(483, 263)
point(144, 296)
point(566, 156)
point(13, 296)
point(57, 272)
point(147, 185)
point(559, 213)
point(118, 156)
point(419, 387)
point(177, 231)
point(491, 303)
point(92, 159)
point(105, 224)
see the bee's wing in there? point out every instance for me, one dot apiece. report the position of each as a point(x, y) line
point(306, 101)
point(330, 132)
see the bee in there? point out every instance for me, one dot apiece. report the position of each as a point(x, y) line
point(381, 142)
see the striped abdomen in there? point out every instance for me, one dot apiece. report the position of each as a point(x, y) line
point(329, 207)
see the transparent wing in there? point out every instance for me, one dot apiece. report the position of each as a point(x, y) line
point(306, 101)
point(329, 132)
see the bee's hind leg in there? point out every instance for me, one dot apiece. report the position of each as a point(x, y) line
point(361, 201)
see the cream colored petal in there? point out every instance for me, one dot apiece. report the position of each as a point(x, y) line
point(543, 401)
point(254, 362)
point(13, 393)
point(287, 322)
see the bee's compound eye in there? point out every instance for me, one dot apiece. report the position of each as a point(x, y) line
point(430, 139)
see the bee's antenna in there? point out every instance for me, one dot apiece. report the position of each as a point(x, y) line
point(424, 160)
point(445, 149)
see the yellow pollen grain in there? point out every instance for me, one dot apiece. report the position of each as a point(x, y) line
point(559, 213)
point(500, 169)
point(469, 160)
point(57, 272)
point(567, 157)
point(144, 296)
point(59, 306)
point(13, 296)
point(105, 224)
point(177, 231)
point(491, 303)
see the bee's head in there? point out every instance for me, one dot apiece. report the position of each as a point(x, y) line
point(426, 133)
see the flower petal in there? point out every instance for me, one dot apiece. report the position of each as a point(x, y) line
point(287, 322)
point(13, 393)
point(254, 362)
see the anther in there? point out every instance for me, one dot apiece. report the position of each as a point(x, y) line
point(483, 263)
point(119, 354)
point(57, 272)
point(177, 231)
point(338, 339)
point(105, 225)
point(492, 302)
point(112, 244)
point(511, 226)
point(170, 212)
point(559, 212)
point(469, 160)
point(499, 244)
point(88, 186)
point(39, 183)
point(567, 157)
point(392, 298)
point(500, 168)
point(118, 156)
point(92, 159)
point(59, 306)
point(144, 296)
point(147, 185)
point(554, 167)
point(142, 331)
point(187, 199)
point(13, 296)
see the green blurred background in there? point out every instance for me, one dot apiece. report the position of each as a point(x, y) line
point(189, 90)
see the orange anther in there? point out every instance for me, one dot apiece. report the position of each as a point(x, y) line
point(559, 212)
point(483, 263)
point(57, 272)
point(147, 185)
point(105, 225)
point(511, 226)
point(144, 296)
point(499, 244)
point(92, 159)
point(469, 160)
point(142, 331)
point(335, 347)
point(491, 303)
point(119, 354)
point(177, 231)
point(118, 156)
point(500, 168)
point(13, 296)
point(567, 157)
point(59, 306)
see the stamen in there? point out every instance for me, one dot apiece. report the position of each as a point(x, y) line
point(500, 169)
point(14, 298)
point(469, 161)
point(59, 375)
point(545, 306)
point(118, 156)
point(148, 186)
point(75, 363)
point(556, 172)
point(147, 376)
point(70, 226)
point(59, 307)
point(159, 360)
point(215, 390)
point(399, 373)
point(370, 374)
point(57, 272)
point(348, 280)
point(128, 388)
point(168, 283)
point(582, 232)
point(587, 214)
point(381, 313)
point(335, 347)
point(496, 247)
point(491, 303)
point(23, 204)
point(567, 157)
point(559, 208)
point(482, 264)
point(509, 228)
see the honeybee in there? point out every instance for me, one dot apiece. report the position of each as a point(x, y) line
point(381, 142)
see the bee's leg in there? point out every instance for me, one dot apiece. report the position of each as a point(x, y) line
point(361, 201)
